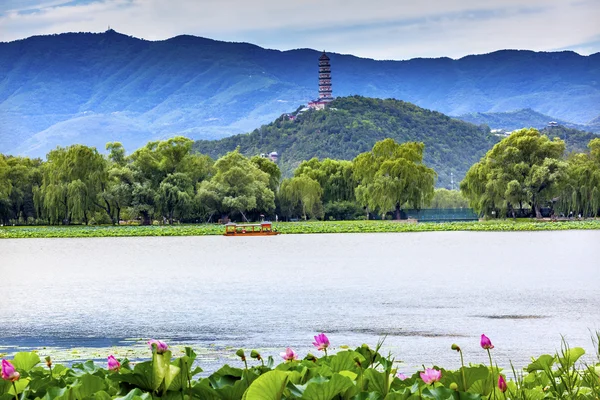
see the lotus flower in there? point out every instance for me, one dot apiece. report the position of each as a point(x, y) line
point(113, 363)
point(502, 384)
point(8, 372)
point(161, 347)
point(486, 343)
point(431, 375)
point(402, 377)
point(289, 355)
point(321, 342)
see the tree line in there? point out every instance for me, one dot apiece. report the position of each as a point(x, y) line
point(166, 181)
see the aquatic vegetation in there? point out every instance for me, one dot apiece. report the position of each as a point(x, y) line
point(362, 373)
point(292, 228)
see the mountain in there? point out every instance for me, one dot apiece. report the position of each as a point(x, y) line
point(513, 120)
point(92, 87)
point(352, 125)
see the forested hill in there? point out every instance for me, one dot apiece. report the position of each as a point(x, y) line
point(93, 88)
point(352, 125)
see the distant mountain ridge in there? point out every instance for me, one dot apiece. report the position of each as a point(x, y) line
point(93, 88)
point(518, 119)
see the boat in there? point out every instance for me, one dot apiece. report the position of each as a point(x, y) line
point(262, 229)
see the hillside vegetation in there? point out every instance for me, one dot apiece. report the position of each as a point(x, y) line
point(90, 88)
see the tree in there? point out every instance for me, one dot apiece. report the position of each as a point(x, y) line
point(238, 185)
point(444, 198)
point(336, 178)
point(392, 176)
point(174, 195)
point(581, 193)
point(525, 167)
point(268, 166)
point(304, 191)
point(72, 179)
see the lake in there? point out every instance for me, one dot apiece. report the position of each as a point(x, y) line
point(424, 291)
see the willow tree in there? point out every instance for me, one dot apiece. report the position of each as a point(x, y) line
point(302, 191)
point(392, 176)
point(72, 180)
point(581, 193)
point(523, 169)
point(336, 178)
point(5, 189)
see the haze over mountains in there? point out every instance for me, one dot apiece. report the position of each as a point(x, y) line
point(94, 88)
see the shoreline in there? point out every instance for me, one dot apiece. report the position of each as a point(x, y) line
point(373, 226)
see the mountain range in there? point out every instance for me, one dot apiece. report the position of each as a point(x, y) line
point(92, 88)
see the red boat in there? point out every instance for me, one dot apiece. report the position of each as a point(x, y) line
point(262, 229)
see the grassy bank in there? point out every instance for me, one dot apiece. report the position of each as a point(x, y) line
point(289, 228)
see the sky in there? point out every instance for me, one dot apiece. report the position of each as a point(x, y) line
point(379, 29)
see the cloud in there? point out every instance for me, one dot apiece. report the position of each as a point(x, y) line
point(382, 29)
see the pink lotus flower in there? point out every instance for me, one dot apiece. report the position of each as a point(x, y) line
point(289, 355)
point(486, 343)
point(161, 347)
point(402, 377)
point(502, 384)
point(321, 342)
point(113, 363)
point(8, 372)
point(431, 375)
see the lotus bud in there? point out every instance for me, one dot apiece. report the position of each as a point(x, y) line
point(255, 354)
point(455, 347)
point(8, 371)
point(48, 362)
point(454, 386)
point(113, 363)
point(502, 384)
point(311, 357)
point(402, 377)
point(240, 354)
point(486, 343)
point(357, 361)
point(161, 347)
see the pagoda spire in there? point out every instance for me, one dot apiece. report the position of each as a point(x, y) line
point(325, 78)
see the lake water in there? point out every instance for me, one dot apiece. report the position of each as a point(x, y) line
point(424, 291)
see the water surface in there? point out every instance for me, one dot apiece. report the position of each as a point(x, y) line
point(424, 291)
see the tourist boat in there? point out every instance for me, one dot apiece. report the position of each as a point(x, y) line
point(262, 229)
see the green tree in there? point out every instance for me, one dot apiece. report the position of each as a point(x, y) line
point(525, 167)
point(238, 185)
point(174, 196)
point(304, 191)
point(72, 179)
point(581, 193)
point(392, 176)
point(268, 166)
point(444, 198)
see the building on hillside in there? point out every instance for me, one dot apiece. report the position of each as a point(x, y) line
point(325, 92)
point(273, 156)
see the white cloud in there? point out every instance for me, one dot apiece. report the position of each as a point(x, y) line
point(383, 29)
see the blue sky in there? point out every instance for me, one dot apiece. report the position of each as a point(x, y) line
point(380, 29)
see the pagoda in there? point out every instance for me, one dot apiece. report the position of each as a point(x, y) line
point(325, 96)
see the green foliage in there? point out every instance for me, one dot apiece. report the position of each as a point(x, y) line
point(291, 228)
point(352, 125)
point(238, 186)
point(392, 176)
point(444, 198)
point(357, 374)
point(524, 168)
point(304, 192)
